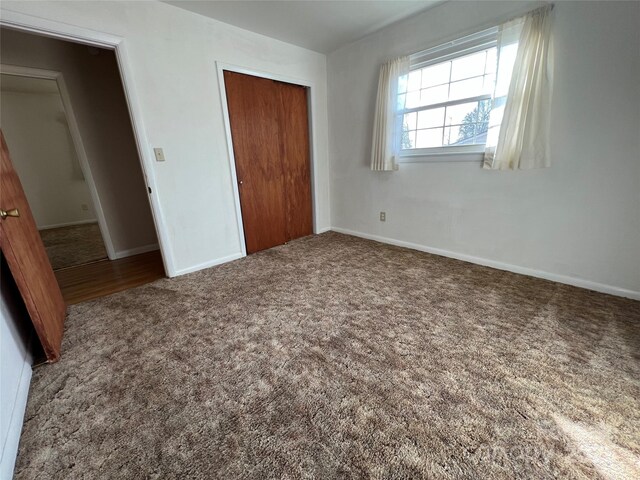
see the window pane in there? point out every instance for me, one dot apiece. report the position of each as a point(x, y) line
point(431, 118)
point(496, 115)
point(414, 80)
point(467, 88)
point(429, 138)
point(489, 82)
point(469, 66)
point(436, 74)
point(492, 134)
point(433, 95)
point(481, 132)
point(413, 99)
point(450, 135)
point(408, 139)
point(463, 113)
point(466, 134)
point(484, 110)
point(460, 134)
point(402, 83)
point(492, 60)
point(410, 121)
point(449, 82)
point(401, 100)
point(507, 59)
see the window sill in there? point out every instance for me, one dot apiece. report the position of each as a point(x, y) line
point(442, 157)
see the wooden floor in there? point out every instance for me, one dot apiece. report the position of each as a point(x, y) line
point(93, 280)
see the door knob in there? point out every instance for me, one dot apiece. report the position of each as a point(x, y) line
point(9, 213)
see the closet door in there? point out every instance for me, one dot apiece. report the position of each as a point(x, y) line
point(270, 134)
point(294, 130)
point(253, 105)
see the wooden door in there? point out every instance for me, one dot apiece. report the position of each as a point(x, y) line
point(294, 128)
point(27, 259)
point(270, 134)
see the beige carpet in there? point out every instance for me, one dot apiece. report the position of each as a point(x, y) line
point(336, 357)
point(73, 245)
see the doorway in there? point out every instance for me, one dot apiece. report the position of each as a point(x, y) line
point(269, 127)
point(98, 227)
point(58, 184)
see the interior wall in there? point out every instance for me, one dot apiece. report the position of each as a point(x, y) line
point(172, 58)
point(15, 370)
point(98, 102)
point(577, 221)
point(48, 168)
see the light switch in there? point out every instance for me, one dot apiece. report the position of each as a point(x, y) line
point(159, 154)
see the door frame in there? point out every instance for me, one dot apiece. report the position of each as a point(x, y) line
point(72, 33)
point(311, 120)
point(29, 72)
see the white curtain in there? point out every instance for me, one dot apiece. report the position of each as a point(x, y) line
point(518, 136)
point(387, 126)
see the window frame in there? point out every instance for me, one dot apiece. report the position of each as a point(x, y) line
point(448, 51)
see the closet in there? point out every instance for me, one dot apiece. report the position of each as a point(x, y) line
point(270, 133)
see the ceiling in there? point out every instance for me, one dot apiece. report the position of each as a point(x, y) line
point(318, 25)
point(18, 84)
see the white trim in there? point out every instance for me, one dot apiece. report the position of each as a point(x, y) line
point(76, 137)
point(312, 122)
point(448, 103)
point(311, 100)
point(323, 230)
point(446, 157)
point(137, 250)
point(67, 224)
point(211, 263)
point(65, 31)
point(232, 161)
point(147, 157)
point(16, 419)
point(554, 277)
point(459, 47)
point(59, 30)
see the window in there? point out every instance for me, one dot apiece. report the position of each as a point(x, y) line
point(459, 98)
point(445, 100)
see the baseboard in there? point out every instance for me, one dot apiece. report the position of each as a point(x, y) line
point(10, 450)
point(67, 224)
point(212, 263)
point(137, 251)
point(576, 282)
point(323, 230)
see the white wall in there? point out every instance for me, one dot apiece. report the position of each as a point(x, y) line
point(578, 219)
point(42, 152)
point(15, 372)
point(99, 105)
point(172, 56)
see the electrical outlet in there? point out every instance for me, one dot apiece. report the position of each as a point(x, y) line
point(159, 154)
point(383, 216)
point(84, 207)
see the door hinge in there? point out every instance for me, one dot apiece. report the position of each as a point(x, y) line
point(149, 188)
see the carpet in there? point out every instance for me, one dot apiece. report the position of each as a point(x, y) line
point(73, 245)
point(337, 357)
